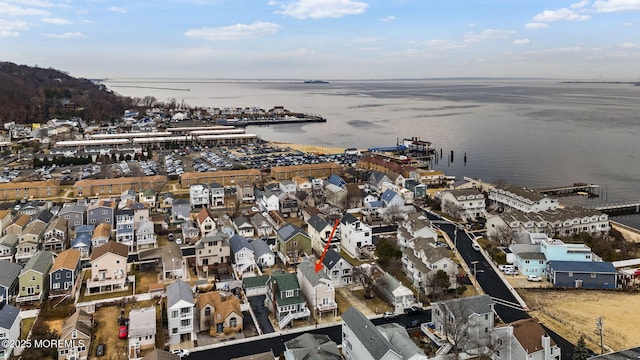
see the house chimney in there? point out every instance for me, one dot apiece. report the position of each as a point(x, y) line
point(546, 346)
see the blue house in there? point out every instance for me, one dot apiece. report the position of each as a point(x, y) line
point(64, 272)
point(582, 274)
point(391, 198)
point(337, 181)
point(8, 280)
point(419, 190)
point(531, 263)
point(82, 240)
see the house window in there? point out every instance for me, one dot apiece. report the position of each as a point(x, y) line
point(289, 293)
point(174, 314)
point(570, 273)
point(174, 330)
point(593, 275)
point(233, 322)
point(33, 278)
point(57, 276)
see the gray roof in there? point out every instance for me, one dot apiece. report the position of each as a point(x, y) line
point(348, 218)
point(179, 290)
point(532, 256)
point(633, 353)
point(371, 338)
point(317, 223)
point(308, 271)
point(288, 231)
point(45, 216)
point(8, 272)
point(9, 240)
point(331, 258)
point(465, 307)
point(388, 195)
point(142, 321)
point(8, 315)
point(313, 346)
point(40, 262)
point(402, 343)
point(238, 243)
point(583, 266)
point(260, 248)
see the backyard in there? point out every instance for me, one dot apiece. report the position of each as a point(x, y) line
point(574, 312)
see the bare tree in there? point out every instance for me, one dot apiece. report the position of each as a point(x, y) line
point(392, 214)
point(364, 275)
point(504, 235)
point(450, 208)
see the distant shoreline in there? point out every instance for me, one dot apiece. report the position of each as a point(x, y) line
point(636, 83)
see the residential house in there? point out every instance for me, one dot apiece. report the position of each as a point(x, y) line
point(336, 196)
point(140, 213)
point(127, 197)
point(303, 184)
point(76, 337)
point(391, 198)
point(217, 194)
point(180, 210)
point(376, 179)
point(243, 226)
point(267, 200)
point(108, 268)
point(255, 285)
point(33, 280)
point(101, 235)
point(318, 288)
point(29, 241)
point(226, 225)
point(419, 190)
point(17, 225)
point(145, 235)
point(463, 322)
point(8, 245)
point(219, 313)
point(82, 241)
point(212, 252)
point(142, 330)
point(533, 259)
point(356, 237)
point(243, 256)
point(9, 330)
point(361, 340)
point(102, 211)
point(245, 192)
point(523, 339)
point(206, 222)
point(34, 208)
point(43, 216)
point(190, 233)
point(166, 201)
point(415, 225)
point(319, 231)
point(355, 196)
point(310, 346)
point(464, 204)
point(262, 226)
point(293, 244)
point(263, 255)
point(8, 280)
point(339, 270)
point(287, 187)
point(521, 198)
point(56, 235)
point(148, 197)
point(284, 298)
point(288, 205)
point(75, 213)
point(393, 292)
point(5, 219)
point(421, 261)
point(64, 273)
point(582, 274)
point(125, 227)
point(180, 312)
point(199, 196)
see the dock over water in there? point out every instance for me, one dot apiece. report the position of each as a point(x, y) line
point(591, 190)
point(622, 208)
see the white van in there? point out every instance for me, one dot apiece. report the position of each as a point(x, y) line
point(506, 268)
point(475, 246)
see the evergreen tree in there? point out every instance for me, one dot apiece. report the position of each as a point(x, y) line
point(580, 351)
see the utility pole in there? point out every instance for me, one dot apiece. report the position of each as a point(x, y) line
point(600, 326)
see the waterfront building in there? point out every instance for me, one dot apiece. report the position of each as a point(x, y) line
point(520, 198)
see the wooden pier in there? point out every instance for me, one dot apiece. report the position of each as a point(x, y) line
point(591, 190)
point(623, 208)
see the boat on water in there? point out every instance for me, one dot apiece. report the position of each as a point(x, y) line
point(315, 82)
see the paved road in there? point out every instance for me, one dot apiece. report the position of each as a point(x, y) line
point(491, 282)
point(276, 343)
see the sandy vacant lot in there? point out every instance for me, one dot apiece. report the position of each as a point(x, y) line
point(574, 312)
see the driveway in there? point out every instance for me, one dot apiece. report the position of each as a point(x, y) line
point(260, 311)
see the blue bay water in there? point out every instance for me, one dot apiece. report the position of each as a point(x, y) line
point(534, 133)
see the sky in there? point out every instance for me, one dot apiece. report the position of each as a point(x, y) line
point(325, 39)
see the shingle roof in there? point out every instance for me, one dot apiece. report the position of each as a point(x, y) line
point(388, 195)
point(260, 248)
point(67, 259)
point(348, 218)
point(529, 333)
point(40, 262)
point(583, 266)
point(80, 321)
point(177, 291)
point(479, 304)
point(238, 243)
point(254, 281)
point(398, 337)
point(8, 315)
point(317, 223)
point(224, 305)
point(9, 272)
point(102, 230)
point(308, 271)
point(313, 347)
point(142, 322)
point(289, 231)
point(331, 258)
point(112, 247)
point(370, 337)
point(9, 240)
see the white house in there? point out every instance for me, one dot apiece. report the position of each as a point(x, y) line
point(9, 329)
point(356, 237)
point(243, 256)
point(142, 330)
point(317, 288)
point(521, 198)
point(339, 270)
point(263, 255)
point(180, 309)
point(199, 196)
point(523, 339)
point(145, 235)
point(465, 204)
point(319, 232)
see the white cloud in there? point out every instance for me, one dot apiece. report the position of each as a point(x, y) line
point(536, 26)
point(67, 35)
point(118, 9)
point(318, 9)
point(6, 33)
point(580, 5)
point(608, 6)
point(367, 40)
point(13, 10)
point(445, 45)
point(521, 42)
point(562, 14)
point(56, 21)
point(12, 28)
point(487, 35)
point(388, 18)
point(234, 32)
point(628, 45)
point(370, 48)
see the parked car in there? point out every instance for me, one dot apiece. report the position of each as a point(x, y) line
point(475, 246)
point(413, 310)
point(183, 353)
point(100, 350)
point(534, 278)
point(123, 333)
point(389, 315)
point(416, 323)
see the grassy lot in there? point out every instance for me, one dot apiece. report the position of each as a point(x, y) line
point(103, 296)
point(25, 327)
point(143, 279)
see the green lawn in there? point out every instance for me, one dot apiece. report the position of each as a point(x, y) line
point(25, 327)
